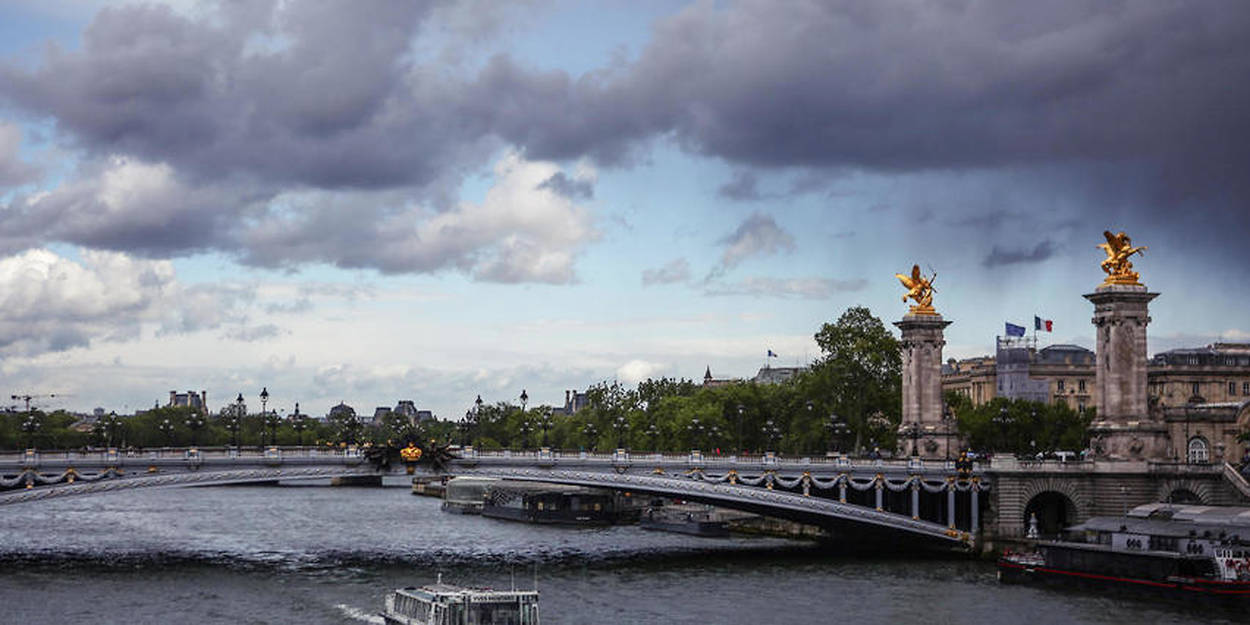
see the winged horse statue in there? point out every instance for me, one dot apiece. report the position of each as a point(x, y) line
point(1119, 247)
point(919, 289)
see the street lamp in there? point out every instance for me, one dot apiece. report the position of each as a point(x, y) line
point(546, 425)
point(738, 442)
point(30, 426)
point(696, 433)
point(1002, 420)
point(773, 433)
point(912, 431)
point(264, 399)
point(592, 435)
point(653, 433)
point(620, 425)
point(526, 427)
point(299, 423)
point(167, 428)
point(272, 420)
point(837, 429)
point(195, 422)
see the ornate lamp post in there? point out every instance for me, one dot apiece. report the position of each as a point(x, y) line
point(299, 423)
point(837, 428)
point(166, 427)
point(1002, 421)
point(111, 425)
point(264, 399)
point(546, 425)
point(234, 424)
point(653, 433)
point(271, 421)
point(592, 435)
point(195, 423)
point(620, 424)
point(738, 437)
point(696, 433)
point(912, 431)
point(526, 427)
point(30, 425)
point(772, 433)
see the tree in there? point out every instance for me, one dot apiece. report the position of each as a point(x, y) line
point(1022, 427)
point(859, 376)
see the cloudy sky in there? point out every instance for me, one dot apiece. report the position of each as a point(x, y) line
point(378, 201)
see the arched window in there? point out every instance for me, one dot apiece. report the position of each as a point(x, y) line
point(1198, 450)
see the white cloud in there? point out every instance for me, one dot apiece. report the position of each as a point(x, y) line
point(53, 303)
point(636, 371)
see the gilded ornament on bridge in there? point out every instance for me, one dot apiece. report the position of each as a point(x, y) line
point(1119, 247)
point(920, 289)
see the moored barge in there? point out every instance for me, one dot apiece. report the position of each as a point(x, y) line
point(1159, 548)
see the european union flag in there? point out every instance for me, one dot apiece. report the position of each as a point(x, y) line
point(1014, 330)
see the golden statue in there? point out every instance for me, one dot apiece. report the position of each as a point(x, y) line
point(919, 289)
point(1118, 248)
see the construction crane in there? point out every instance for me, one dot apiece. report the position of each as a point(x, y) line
point(27, 397)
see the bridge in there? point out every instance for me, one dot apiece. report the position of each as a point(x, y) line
point(901, 502)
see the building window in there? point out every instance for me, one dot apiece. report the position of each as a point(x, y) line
point(1081, 407)
point(1198, 450)
point(1060, 386)
point(1194, 388)
point(1245, 388)
point(1232, 388)
point(1080, 385)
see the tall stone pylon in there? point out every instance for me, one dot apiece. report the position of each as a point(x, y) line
point(1123, 428)
point(923, 429)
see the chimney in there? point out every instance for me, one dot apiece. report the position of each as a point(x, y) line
point(204, 401)
point(172, 394)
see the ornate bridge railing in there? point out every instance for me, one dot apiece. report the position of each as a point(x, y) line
point(801, 487)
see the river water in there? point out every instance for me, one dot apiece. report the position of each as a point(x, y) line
point(317, 554)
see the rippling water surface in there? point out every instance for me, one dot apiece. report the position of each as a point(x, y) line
point(313, 555)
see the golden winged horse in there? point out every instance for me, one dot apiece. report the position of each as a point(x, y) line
point(919, 289)
point(1119, 247)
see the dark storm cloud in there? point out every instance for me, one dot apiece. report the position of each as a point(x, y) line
point(572, 188)
point(13, 170)
point(321, 94)
point(333, 96)
point(999, 256)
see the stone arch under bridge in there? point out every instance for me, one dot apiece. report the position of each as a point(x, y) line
point(1056, 502)
point(1185, 491)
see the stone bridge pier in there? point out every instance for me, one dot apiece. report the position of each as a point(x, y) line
point(1061, 494)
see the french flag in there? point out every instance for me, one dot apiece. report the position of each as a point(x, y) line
point(1043, 324)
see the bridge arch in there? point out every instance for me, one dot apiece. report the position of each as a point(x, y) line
point(1185, 491)
point(1057, 503)
point(1053, 511)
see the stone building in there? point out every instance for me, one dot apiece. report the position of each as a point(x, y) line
point(190, 399)
point(1202, 394)
point(1052, 374)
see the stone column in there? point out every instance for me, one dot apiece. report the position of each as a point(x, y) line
point(922, 385)
point(1123, 428)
